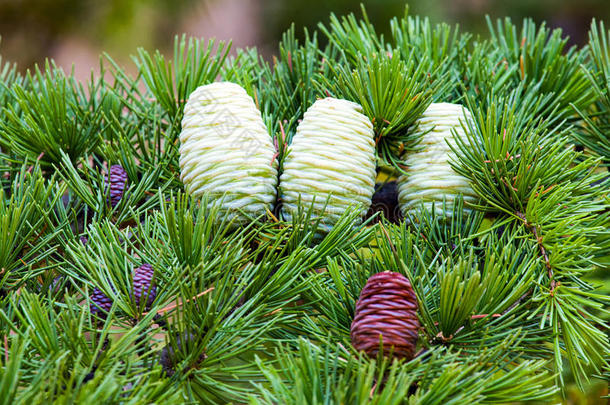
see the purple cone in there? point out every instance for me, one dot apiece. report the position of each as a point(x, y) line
point(143, 284)
point(99, 302)
point(56, 284)
point(117, 181)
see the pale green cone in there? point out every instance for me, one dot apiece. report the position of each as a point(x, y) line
point(331, 158)
point(430, 179)
point(226, 151)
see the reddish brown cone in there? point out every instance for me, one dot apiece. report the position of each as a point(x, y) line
point(387, 307)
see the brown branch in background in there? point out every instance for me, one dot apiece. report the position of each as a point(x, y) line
point(37, 159)
point(372, 391)
point(476, 316)
point(481, 316)
point(44, 228)
point(172, 306)
point(521, 298)
point(275, 311)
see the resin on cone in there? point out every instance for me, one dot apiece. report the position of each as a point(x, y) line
point(386, 309)
point(226, 151)
point(430, 179)
point(331, 158)
point(143, 284)
point(116, 180)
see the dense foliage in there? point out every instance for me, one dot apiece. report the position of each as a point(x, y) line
point(509, 302)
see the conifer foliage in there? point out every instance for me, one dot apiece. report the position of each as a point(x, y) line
point(117, 286)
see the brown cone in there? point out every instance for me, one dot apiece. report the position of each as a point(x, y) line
point(387, 307)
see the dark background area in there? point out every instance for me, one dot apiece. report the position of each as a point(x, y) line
point(75, 32)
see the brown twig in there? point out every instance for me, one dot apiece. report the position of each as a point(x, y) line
point(275, 311)
point(521, 298)
point(44, 228)
point(37, 159)
point(542, 249)
point(481, 316)
point(373, 388)
point(522, 67)
point(172, 306)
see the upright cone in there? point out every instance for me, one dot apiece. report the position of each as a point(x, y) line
point(430, 179)
point(226, 151)
point(116, 179)
point(143, 285)
point(331, 158)
point(386, 309)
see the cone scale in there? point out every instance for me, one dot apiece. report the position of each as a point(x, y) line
point(430, 179)
point(227, 153)
point(331, 158)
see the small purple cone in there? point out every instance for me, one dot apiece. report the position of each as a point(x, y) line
point(100, 303)
point(56, 284)
point(143, 284)
point(170, 354)
point(117, 181)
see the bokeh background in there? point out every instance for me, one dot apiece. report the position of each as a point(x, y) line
point(75, 32)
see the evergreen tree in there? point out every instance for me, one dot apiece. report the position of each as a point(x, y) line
point(138, 293)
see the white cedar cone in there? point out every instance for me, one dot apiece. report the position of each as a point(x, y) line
point(430, 178)
point(227, 152)
point(332, 156)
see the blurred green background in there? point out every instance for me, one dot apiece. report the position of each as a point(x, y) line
point(76, 31)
